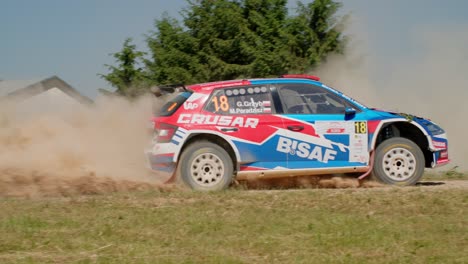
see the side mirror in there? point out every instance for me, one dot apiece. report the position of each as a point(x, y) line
point(349, 111)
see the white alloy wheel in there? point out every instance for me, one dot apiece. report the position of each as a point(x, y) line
point(207, 169)
point(398, 161)
point(205, 166)
point(399, 164)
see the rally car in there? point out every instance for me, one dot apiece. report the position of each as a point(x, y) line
point(209, 134)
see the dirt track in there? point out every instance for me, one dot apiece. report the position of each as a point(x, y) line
point(447, 184)
point(339, 182)
point(21, 183)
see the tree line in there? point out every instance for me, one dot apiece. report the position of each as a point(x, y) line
point(229, 39)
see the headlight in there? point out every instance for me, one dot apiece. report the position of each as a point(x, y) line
point(434, 129)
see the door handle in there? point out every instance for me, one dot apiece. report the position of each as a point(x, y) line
point(229, 129)
point(296, 128)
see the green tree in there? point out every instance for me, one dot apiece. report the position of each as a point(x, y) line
point(172, 52)
point(266, 20)
point(222, 37)
point(316, 31)
point(127, 77)
point(228, 39)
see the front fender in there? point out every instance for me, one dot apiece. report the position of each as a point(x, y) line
point(386, 122)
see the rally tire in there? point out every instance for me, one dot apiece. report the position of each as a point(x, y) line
point(205, 166)
point(398, 161)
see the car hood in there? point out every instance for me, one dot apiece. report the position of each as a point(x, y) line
point(428, 125)
point(391, 114)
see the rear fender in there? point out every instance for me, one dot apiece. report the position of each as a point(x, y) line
point(192, 133)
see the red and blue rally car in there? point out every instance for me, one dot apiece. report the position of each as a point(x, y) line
point(209, 134)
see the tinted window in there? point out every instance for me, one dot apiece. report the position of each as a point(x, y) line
point(173, 104)
point(310, 99)
point(241, 101)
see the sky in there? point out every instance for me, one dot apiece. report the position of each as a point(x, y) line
point(74, 39)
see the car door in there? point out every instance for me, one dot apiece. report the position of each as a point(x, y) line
point(250, 124)
point(323, 129)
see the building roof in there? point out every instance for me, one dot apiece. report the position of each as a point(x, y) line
point(22, 89)
point(9, 86)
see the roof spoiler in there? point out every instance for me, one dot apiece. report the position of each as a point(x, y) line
point(167, 89)
point(301, 76)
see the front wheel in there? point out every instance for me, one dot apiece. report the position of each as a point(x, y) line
point(398, 161)
point(205, 166)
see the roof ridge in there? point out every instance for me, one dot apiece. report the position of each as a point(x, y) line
point(28, 88)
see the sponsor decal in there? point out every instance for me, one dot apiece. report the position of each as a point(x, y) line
point(358, 148)
point(335, 130)
point(360, 127)
point(358, 144)
point(440, 145)
point(217, 120)
point(248, 111)
point(251, 107)
point(326, 127)
point(266, 106)
point(250, 103)
point(305, 150)
point(444, 154)
point(443, 157)
point(190, 105)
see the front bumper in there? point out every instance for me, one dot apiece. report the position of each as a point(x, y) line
point(440, 158)
point(439, 148)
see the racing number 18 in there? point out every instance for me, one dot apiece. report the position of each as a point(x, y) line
point(360, 127)
point(221, 102)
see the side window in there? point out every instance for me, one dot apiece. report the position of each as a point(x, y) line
point(301, 98)
point(241, 101)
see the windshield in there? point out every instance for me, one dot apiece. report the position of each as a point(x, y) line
point(346, 97)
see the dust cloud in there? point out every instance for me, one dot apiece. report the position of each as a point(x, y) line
point(100, 149)
point(431, 83)
point(75, 150)
point(338, 181)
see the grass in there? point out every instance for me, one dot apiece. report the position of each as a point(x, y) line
point(382, 225)
point(451, 174)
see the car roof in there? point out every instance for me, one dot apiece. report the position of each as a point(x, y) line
point(220, 84)
point(209, 86)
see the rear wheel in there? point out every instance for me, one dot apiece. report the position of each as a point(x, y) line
point(205, 166)
point(398, 161)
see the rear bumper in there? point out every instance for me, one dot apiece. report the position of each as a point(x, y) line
point(161, 162)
